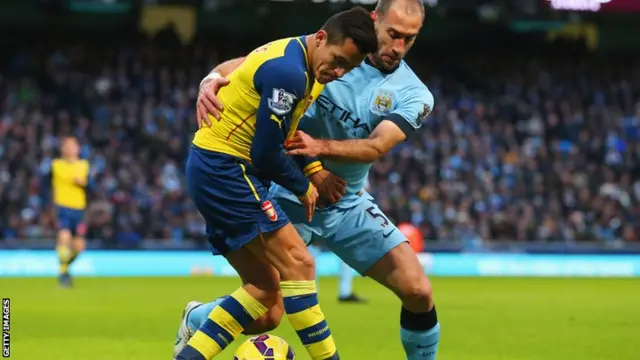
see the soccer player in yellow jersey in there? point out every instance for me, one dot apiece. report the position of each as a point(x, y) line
point(69, 180)
point(230, 168)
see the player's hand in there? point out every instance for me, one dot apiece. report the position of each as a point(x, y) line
point(309, 202)
point(303, 144)
point(330, 186)
point(208, 102)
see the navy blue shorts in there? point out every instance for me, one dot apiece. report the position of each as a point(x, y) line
point(233, 200)
point(70, 219)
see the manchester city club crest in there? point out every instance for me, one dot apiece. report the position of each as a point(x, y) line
point(383, 102)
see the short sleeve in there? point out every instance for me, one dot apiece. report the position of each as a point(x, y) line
point(415, 105)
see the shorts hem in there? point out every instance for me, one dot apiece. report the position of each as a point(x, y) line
point(240, 241)
point(363, 267)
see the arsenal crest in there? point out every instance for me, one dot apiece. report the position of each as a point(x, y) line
point(267, 209)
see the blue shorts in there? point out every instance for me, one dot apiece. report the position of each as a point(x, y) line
point(233, 200)
point(70, 219)
point(356, 229)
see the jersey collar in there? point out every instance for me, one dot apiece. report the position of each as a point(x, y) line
point(384, 71)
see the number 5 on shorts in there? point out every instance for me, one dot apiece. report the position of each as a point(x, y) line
point(375, 213)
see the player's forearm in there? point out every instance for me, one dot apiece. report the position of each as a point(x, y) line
point(80, 182)
point(309, 165)
point(268, 156)
point(222, 70)
point(359, 150)
point(228, 66)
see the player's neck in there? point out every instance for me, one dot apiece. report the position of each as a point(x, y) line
point(310, 41)
point(70, 158)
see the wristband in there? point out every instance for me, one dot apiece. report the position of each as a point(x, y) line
point(212, 76)
point(312, 168)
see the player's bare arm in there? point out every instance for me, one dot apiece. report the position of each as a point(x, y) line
point(228, 66)
point(208, 102)
point(80, 181)
point(383, 138)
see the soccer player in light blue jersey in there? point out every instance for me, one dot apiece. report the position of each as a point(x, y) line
point(356, 120)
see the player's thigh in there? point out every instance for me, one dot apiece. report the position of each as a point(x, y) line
point(297, 214)
point(286, 251)
point(259, 278)
point(234, 203)
point(77, 226)
point(64, 224)
point(362, 235)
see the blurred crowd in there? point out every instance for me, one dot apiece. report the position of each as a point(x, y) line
point(528, 149)
point(531, 149)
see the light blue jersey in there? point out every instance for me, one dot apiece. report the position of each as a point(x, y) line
point(351, 108)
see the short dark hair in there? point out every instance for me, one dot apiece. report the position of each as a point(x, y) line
point(382, 7)
point(355, 24)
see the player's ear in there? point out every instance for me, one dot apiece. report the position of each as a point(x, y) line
point(321, 38)
point(374, 15)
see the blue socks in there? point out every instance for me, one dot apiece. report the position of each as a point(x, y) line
point(346, 281)
point(420, 334)
point(199, 315)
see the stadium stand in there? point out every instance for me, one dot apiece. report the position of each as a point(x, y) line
point(518, 148)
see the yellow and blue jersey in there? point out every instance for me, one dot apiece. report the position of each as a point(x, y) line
point(268, 94)
point(232, 163)
point(70, 197)
point(66, 192)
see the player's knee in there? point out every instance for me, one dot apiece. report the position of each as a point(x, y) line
point(64, 237)
point(416, 292)
point(79, 244)
point(302, 265)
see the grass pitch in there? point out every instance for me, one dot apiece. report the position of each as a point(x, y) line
point(482, 319)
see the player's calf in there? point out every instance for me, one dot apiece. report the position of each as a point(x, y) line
point(65, 254)
point(267, 322)
point(226, 322)
point(400, 271)
point(289, 255)
point(79, 245)
point(228, 319)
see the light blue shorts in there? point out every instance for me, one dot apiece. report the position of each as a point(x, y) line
point(355, 229)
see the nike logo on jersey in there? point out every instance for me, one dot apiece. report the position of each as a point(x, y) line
point(388, 234)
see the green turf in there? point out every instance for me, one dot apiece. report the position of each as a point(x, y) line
point(484, 319)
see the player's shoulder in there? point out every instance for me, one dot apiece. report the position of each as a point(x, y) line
point(283, 52)
point(291, 59)
point(288, 68)
point(410, 82)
